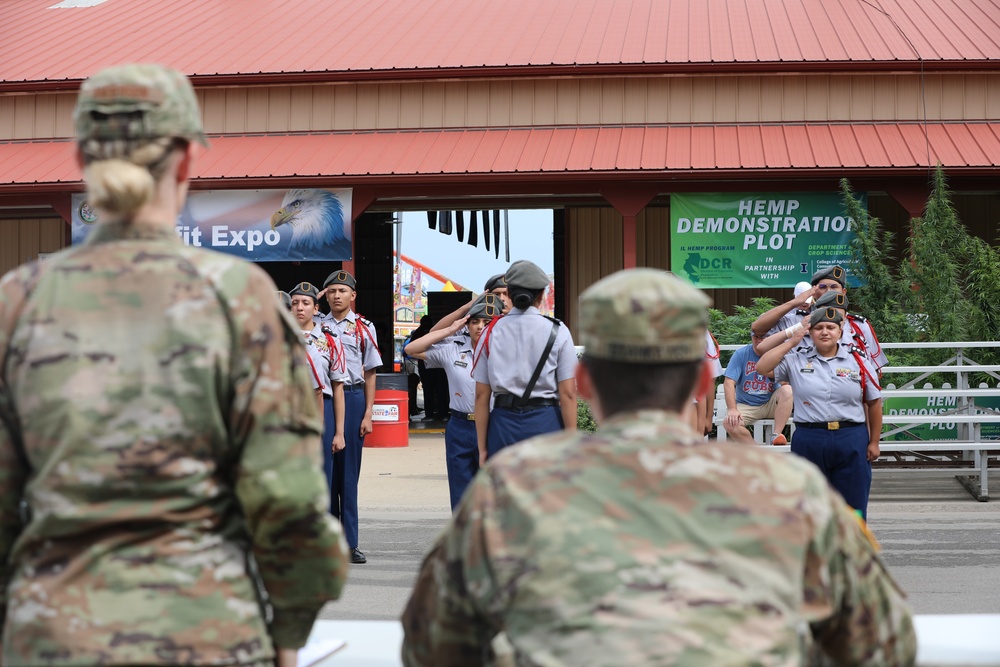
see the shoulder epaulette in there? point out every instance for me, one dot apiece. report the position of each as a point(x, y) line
point(860, 351)
point(552, 319)
point(856, 318)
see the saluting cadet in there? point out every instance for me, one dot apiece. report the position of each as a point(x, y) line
point(328, 365)
point(782, 317)
point(498, 285)
point(857, 330)
point(357, 335)
point(832, 383)
point(452, 349)
point(526, 362)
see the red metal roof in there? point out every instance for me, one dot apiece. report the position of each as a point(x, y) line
point(457, 37)
point(704, 151)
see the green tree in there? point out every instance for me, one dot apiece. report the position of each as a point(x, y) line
point(937, 266)
point(879, 295)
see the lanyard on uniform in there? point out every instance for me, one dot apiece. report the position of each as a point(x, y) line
point(360, 331)
point(336, 350)
point(484, 341)
point(312, 366)
point(864, 374)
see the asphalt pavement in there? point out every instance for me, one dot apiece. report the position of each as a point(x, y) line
point(941, 545)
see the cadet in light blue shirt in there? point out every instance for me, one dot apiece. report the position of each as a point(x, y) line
point(832, 383)
point(506, 358)
point(357, 335)
point(452, 349)
point(326, 359)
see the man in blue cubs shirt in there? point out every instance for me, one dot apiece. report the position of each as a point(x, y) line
point(751, 396)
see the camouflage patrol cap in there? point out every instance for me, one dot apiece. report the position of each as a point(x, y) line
point(827, 314)
point(305, 289)
point(486, 306)
point(138, 101)
point(642, 316)
point(833, 300)
point(284, 298)
point(527, 275)
point(834, 272)
point(340, 278)
point(495, 282)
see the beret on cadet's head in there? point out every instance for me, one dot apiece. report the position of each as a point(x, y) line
point(305, 289)
point(526, 275)
point(486, 306)
point(284, 299)
point(340, 278)
point(643, 316)
point(835, 273)
point(494, 282)
point(827, 314)
point(138, 101)
point(833, 300)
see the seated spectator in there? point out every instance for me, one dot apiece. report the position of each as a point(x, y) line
point(751, 396)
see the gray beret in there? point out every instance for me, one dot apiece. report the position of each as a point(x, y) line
point(526, 275)
point(833, 300)
point(494, 282)
point(284, 299)
point(340, 278)
point(305, 289)
point(486, 306)
point(834, 272)
point(826, 315)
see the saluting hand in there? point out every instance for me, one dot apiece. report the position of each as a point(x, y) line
point(457, 325)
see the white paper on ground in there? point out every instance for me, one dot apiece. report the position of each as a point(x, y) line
point(313, 652)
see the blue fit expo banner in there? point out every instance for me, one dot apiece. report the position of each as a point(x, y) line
point(258, 225)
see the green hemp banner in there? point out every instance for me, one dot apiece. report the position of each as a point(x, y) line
point(758, 239)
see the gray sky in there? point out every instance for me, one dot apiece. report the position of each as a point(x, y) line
point(530, 238)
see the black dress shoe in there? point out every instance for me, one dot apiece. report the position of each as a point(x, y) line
point(357, 556)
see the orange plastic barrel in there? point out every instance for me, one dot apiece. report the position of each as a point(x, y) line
point(390, 413)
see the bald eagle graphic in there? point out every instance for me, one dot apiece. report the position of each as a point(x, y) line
point(317, 221)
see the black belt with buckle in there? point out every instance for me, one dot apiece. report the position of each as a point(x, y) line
point(828, 426)
point(512, 402)
point(357, 386)
point(466, 416)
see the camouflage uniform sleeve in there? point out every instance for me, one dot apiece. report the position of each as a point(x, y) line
point(858, 612)
point(13, 474)
point(299, 548)
point(451, 617)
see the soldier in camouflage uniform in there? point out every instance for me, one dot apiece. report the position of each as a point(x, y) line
point(157, 420)
point(643, 544)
